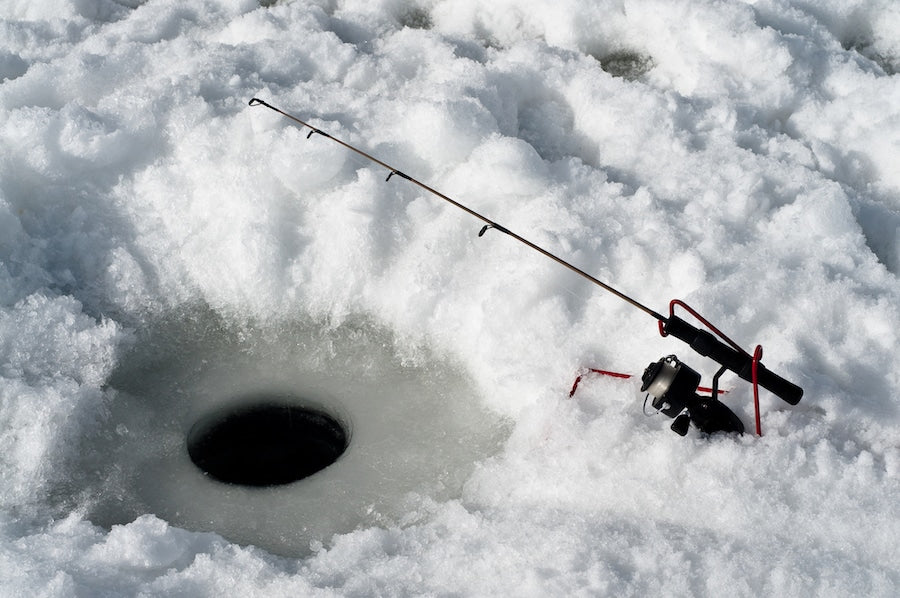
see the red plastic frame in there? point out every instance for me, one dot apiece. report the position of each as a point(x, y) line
point(757, 357)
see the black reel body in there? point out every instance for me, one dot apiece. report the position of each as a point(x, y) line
point(673, 386)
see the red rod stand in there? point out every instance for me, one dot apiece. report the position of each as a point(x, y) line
point(757, 357)
point(757, 354)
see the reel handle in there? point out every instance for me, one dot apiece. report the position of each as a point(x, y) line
point(706, 344)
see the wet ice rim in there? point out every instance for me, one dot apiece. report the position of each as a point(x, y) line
point(415, 428)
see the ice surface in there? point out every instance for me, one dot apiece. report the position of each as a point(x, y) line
point(739, 155)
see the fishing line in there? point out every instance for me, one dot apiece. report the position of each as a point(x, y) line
point(674, 383)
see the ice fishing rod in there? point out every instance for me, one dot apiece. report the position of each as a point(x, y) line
point(667, 380)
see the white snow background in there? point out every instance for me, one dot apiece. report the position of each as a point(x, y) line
point(742, 156)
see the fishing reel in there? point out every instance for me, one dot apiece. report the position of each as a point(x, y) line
point(673, 386)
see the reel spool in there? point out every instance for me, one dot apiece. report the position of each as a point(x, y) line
point(673, 386)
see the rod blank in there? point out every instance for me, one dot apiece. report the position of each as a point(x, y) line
point(488, 222)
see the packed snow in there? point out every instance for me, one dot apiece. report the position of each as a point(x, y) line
point(164, 244)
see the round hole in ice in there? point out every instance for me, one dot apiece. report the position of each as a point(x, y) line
point(264, 443)
point(412, 420)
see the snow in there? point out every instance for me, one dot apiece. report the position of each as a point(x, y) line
point(163, 243)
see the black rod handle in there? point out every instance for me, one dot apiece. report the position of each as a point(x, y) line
point(708, 345)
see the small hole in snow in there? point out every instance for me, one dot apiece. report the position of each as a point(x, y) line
point(416, 18)
point(627, 65)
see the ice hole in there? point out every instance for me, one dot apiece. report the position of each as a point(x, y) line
point(277, 433)
point(265, 444)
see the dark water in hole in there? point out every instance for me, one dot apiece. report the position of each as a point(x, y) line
point(265, 444)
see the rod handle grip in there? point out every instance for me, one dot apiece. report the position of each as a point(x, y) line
point(708, 345)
